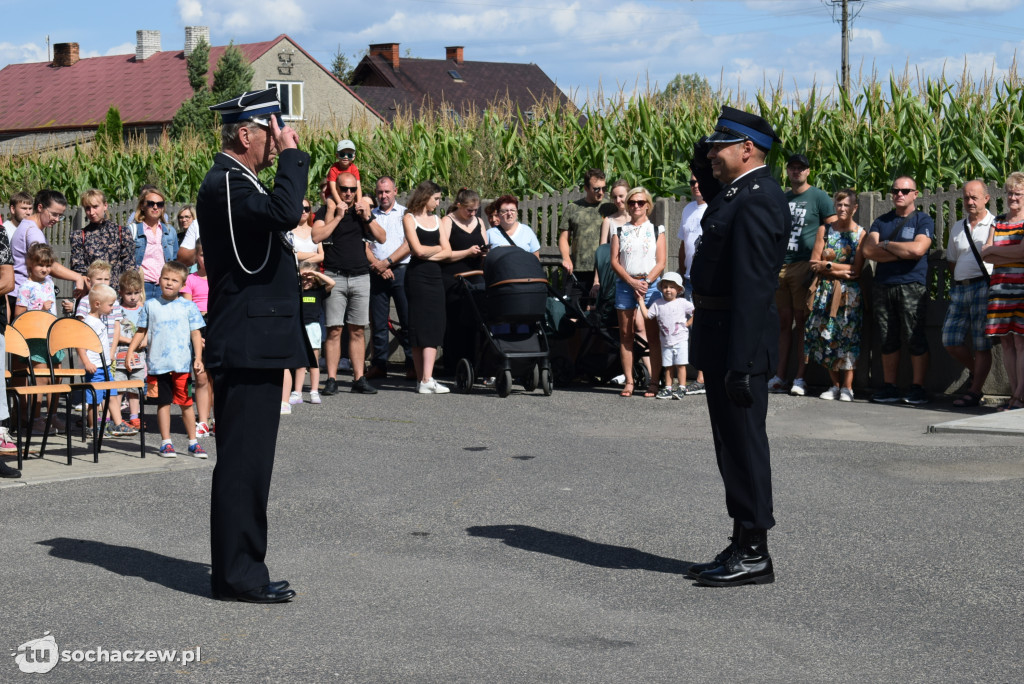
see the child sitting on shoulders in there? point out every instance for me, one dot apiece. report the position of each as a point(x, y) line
point(101, 301)
point(132, 289)
point(674, 315)
point(173, 325)
point(315, 287)
point(346, 155)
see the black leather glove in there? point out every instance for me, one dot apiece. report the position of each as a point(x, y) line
point(700, 166)
point(737, 388)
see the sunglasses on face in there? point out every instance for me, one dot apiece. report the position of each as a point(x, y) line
point(597, 189)
point(692, 183)
point(154, 205)
point(305, 209)
point(345, 188)
point(902, 191)
point(346, 155)
point(637, 203)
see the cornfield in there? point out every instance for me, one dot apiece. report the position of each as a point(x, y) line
point(938, 131)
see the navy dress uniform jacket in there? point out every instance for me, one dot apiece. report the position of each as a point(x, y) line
point(255, 319)
point(739, 257)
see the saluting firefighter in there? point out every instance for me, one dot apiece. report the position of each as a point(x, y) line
point(735, 331)
point(255, 330)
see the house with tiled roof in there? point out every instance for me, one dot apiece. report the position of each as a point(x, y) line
point(392, 84)
point(53, 103)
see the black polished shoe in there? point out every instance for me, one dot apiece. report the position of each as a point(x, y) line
point(279, 585)
point(362, 386)
point(698, 568)
point(749, 563)
point(8, 471)
point(330, 387)
point(265, 594)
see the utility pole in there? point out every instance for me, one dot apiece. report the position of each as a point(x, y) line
point(845, 23)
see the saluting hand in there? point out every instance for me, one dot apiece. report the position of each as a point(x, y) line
point(286, 138)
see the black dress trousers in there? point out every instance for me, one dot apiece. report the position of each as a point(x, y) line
point(247, 403)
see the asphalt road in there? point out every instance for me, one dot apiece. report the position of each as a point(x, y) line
point(532, 539)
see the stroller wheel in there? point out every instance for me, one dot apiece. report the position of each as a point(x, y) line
point(545, 382)
point(464, 375)
point(504, 383)
point(532, 378)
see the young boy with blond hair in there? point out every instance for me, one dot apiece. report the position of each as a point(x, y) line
point(173, 325)
point(101, 300)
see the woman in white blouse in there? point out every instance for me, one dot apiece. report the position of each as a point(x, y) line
point(638, 259)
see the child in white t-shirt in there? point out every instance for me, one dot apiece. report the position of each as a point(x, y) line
point(101, 302)
point(674, 315)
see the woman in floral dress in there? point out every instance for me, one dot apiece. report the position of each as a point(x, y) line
point(1005, 320)
point(833, 328)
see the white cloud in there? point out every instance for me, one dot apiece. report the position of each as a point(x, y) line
point(122, 49)
point(868, 41)
point(245, 20)
point(977, 65)
point(190, 11)
point(26, 52)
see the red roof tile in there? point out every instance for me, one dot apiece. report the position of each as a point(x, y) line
point(426, 82)
point(40, 97)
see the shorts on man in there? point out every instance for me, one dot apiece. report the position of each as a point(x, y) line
point(349, 301)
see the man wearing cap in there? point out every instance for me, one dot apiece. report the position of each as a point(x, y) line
point(811, 208)
point(255, 330)
point(735, 331)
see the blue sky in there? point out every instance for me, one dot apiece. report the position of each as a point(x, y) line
point(583, 46)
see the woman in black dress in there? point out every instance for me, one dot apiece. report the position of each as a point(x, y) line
point(424, 287)
point(467, 235)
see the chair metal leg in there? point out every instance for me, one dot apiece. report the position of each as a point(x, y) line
point(142, 423)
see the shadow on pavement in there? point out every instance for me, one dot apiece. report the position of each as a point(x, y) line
point(578, 549)
point(185, 576)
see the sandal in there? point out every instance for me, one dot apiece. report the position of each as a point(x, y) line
point(652, 389)
point(1009, 405)
point(627, 390)
point(969, 399)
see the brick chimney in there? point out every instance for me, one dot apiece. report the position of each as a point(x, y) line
point(454, 53)
point(193, 34)
point(65, 54)
point(389, 51)
point(147, 44)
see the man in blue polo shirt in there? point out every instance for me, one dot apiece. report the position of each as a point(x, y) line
point(899, 241)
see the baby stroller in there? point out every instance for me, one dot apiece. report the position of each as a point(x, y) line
point(597, 356)
point(509, 312)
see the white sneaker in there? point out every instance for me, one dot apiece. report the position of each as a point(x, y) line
point(845, 394)
point(619, 380)
point(830, 394)
point(431, 387)
point(799, 388)
point(286, 408)
point(295, 398)
point(314, 397)
point(777, 385)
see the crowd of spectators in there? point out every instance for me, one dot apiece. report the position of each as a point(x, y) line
point(359, 255)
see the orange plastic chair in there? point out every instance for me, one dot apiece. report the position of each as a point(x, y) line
point(34, 325)
point(71, 333)
point(17, 346)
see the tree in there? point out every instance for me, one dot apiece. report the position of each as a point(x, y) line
point(342, 67)
point(690, 86)
point(233, 75)
point(110, 132)
point(194, 113)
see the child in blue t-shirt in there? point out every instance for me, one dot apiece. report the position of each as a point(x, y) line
point(173, 325)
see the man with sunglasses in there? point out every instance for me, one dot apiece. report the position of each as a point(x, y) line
point(579, 233)
point(735, 332)
point(345, 260)
point(899, 241)
point(255, 330)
